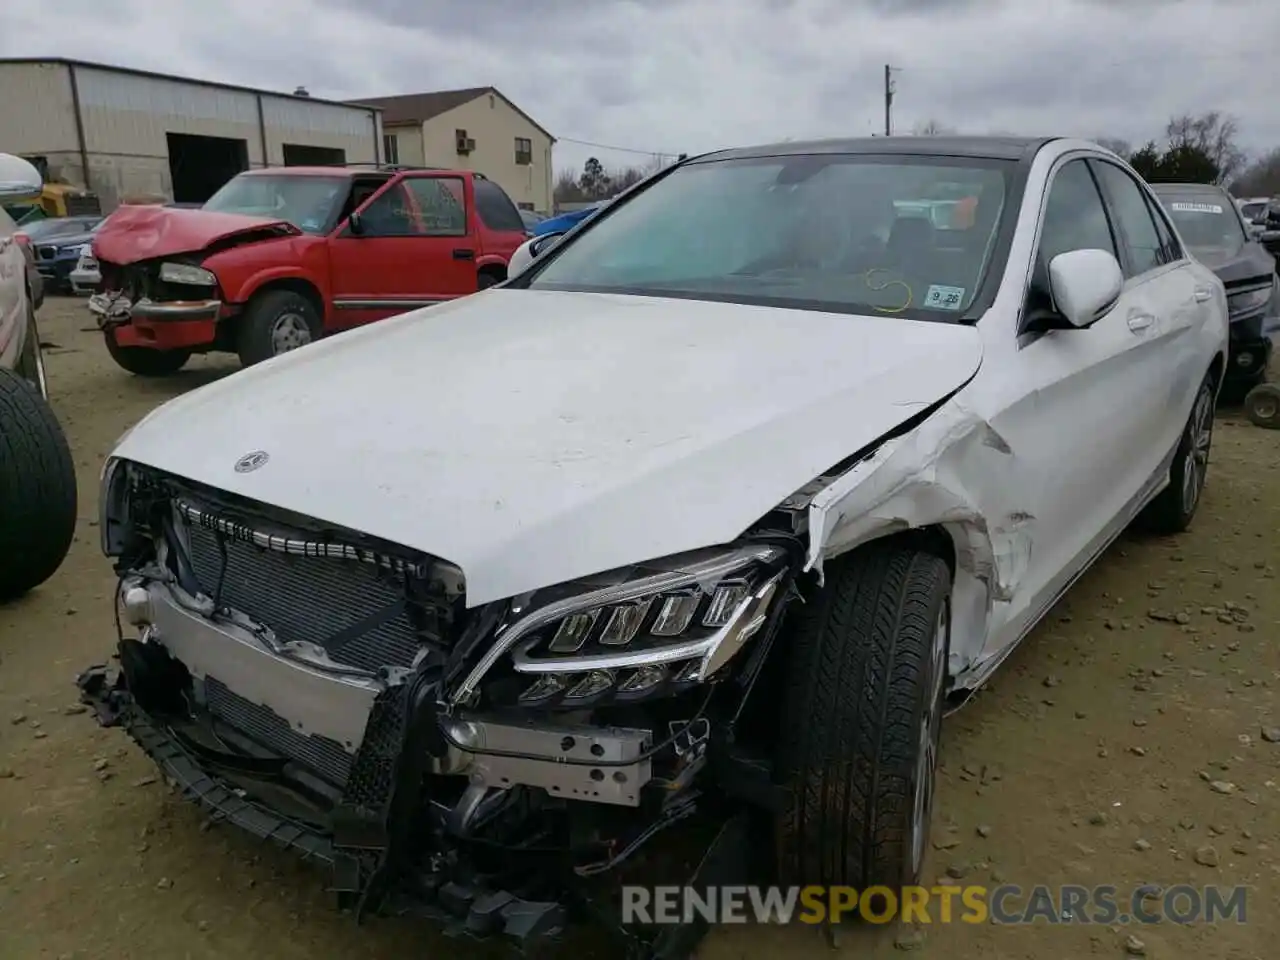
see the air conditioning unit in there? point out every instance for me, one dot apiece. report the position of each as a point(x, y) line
point(465, 144)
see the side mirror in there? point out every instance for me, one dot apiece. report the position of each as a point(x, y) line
point(355, 225)
point(1085, 285)
point(19, 179)
point(529, 251)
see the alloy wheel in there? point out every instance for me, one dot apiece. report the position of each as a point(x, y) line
point(1199, 440)
point(925, 784)
point(289, 332)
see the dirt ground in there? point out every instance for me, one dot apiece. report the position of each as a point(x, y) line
point(1089, 760)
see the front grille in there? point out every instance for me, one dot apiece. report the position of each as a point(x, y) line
point(325, 757)
point(353, 608)
point(47, 253)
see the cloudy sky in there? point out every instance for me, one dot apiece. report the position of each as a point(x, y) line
point(665, 76)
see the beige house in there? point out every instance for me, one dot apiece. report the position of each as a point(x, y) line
point(474, 129)
point(127, 133)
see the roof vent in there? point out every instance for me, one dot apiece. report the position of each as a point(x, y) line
point(301, 92)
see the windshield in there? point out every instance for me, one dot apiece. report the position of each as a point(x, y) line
point(1207, 221)
point(1253, 211)
point(48, 229)
point(905, 235)
point(308, 202)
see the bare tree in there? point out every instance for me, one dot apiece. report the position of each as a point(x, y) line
point(1260, 178)
point(932, 128)
point(1211, 134)
point(566, 189)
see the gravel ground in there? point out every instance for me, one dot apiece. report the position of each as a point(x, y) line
point(1090, 759)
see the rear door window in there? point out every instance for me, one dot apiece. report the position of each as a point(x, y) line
point(496, 210)
point(441, 203)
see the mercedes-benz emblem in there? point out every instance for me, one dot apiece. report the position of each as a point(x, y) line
point(252, 461)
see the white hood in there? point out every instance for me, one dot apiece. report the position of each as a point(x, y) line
point(535, 437)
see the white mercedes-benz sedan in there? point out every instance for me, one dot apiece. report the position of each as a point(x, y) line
point(712, 505)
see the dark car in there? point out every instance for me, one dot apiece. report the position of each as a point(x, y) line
point(56, 243)
point(1215, 232)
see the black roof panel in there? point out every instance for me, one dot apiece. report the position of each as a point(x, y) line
point(993, 148)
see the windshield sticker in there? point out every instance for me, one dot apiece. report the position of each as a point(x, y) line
point(944, 298)
point(1195, 207)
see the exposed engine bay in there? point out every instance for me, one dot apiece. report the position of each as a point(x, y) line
point(334, 693)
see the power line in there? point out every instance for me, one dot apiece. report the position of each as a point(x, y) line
point(611, 146)
point(1154, 55)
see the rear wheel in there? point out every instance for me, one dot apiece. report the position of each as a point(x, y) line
point(37, 489)
point(488, 278)
point(862, 716)
point(1174, 507)
point(143, 361)
point(275, 322)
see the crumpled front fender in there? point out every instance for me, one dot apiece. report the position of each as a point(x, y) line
point(938, 476)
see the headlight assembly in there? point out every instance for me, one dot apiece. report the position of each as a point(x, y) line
point(1248, 300)
point(625, 635)
point(187, 273)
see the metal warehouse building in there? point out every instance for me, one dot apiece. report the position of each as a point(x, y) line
point(122, 133)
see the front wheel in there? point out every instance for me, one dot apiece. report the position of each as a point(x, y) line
point(144, 361)
point(862, 716)
point(1174, 507)
point(275, 322)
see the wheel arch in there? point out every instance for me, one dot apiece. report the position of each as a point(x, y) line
point(493, 268)
point(970, 556)
point(293, 284)
point(1217, 367)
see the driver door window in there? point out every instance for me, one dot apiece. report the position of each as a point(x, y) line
point(1128, 203)
point(392, 214)
point(1074, 219)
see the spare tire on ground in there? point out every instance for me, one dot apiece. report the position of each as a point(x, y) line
point(37, 488)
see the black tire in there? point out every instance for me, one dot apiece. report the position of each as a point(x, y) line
point(486, 279)
point(1262, 406)
point(1175, 506)
point(862, 712)
point(263, 335)
point(143, 361)
point(30, 364)
point(37, 489)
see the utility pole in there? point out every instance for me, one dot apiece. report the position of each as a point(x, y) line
point(888, 100)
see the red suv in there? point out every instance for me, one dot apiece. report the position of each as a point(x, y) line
point(280, 257)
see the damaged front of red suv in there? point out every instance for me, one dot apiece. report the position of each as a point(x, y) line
point(157, 291)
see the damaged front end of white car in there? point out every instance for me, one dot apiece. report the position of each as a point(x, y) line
point(332, 692)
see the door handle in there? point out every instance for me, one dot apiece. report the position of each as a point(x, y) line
point(1140, 321)
point(1203, 294)
point(462, 253)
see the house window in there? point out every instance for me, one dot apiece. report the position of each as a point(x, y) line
point(524, 151)
point(390, 148)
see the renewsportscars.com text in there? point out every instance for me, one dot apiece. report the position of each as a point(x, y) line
point(1005, 904)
